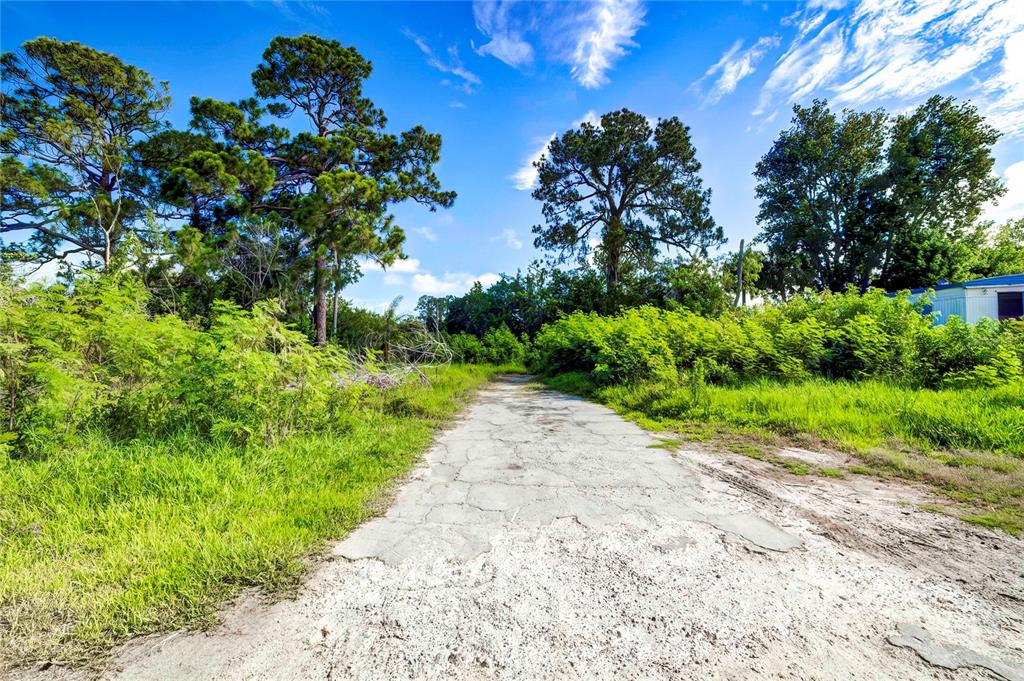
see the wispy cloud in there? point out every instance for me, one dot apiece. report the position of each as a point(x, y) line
point(450, 283)
point(287, 9)
point(510, 238)
point(735, 65)
point(426, 233)
point(588, 36)
point(1011, 205)
point(1002, 96)
point(604, 39)
point(496, 21)
point(902, 49)
point(467, 80)
point(525, 177)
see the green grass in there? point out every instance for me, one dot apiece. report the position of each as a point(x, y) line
point(110, 540)
point(968, 444)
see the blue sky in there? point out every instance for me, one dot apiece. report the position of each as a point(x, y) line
point(497, 80)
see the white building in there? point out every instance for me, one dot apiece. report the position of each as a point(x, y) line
point(993, 297)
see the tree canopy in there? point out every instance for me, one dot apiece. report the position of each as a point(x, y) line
point(630, 187)
point(859, 198)
point(71, 175)
point(329, 186)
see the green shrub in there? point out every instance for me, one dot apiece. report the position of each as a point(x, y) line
point(93, 359)
point(836, 335)
point(266, 381)
point(500, 346)
point(630, 347)
point(467, 348)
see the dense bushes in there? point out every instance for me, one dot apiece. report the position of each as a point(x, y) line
point(846, 335)
point(498, 346)
point(93, 359)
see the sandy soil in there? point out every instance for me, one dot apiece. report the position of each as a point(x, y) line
point(544, 537)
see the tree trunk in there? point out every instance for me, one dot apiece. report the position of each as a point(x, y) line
point(320, 304)
point(614, 244)
point(334, 315)
point(741, 293)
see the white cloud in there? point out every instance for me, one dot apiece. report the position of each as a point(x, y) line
point(589, 36)
point(826, 4)
point(804, 67)
point(505, 31)
point(426, 233)
point(285, 8)
point(1011, 204)
point(453, 66)
point(394, 279)
point(449, 284)
point(488, 279)
point(407, 266)
point(378, 305)
point(510, 238)
point(604, 39)
point(1003, 96)
point(735, 65)
point(525, 177)
point(903, 49)
point(589, 117)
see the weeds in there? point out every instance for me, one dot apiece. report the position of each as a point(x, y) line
point(111, 539)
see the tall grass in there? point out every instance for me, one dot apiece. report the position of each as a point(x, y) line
point(852, 415)
point(110, 539)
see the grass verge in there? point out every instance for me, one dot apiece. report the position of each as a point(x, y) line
point(111, 540)
point(968, 444)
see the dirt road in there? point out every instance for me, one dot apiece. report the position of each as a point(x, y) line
point(546, 537)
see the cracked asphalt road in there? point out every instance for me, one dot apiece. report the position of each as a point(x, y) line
point(546, 537)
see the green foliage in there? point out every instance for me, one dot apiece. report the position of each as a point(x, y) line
point(999, 251)
point(809, 185)
point(109, 539)
point(330, 187)
point(266, 381)
point(542, 294)
point(938, 179)
point(92, 358)
point(663, 202)
point(466, 348)
point(70, 176)
point(696, 285)
point(841, 335)
point(502, 347)
point(865, 199)
point(498, 346)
